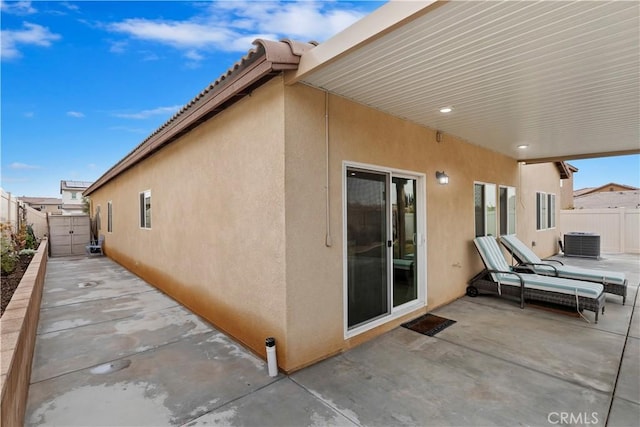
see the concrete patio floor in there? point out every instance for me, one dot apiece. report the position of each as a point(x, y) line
point(112, 350)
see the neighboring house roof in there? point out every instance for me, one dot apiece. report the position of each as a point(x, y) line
point(566, 170)
point(612, 186)
point(74, 185)
point(608, 199)
point(41, 200)
point(582, 191)
point(259, 65)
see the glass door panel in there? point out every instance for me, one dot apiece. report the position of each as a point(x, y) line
point(403, 201)
point(367, 207)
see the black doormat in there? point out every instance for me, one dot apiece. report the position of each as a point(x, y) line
point(428, 324)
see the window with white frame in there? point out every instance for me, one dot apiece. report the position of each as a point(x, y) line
point(507, 210)
point(109, 217)
point(545, 211)
point(485, 209)
point(145, 209)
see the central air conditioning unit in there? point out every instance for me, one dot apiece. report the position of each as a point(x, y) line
point(582, 245)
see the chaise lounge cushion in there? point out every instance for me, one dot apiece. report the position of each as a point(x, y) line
point(526, 255)
point(494, 260)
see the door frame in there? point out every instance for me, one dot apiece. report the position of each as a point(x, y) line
point(421, 232)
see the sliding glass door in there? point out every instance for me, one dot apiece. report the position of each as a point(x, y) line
point(367, 246)
point(381, 239)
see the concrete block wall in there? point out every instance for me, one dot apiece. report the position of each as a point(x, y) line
point(18, 327)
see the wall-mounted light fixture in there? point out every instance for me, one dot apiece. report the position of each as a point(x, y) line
point(438, 136)
point(442, 177)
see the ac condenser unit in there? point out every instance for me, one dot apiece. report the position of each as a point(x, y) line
point(582, 245)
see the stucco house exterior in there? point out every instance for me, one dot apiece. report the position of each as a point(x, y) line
point(313, 216)
point(71, 191)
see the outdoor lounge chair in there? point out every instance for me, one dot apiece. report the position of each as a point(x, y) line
point(528, 261)
point(95, 249)
point(498, 277)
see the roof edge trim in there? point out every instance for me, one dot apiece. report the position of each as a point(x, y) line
point(579, 157)
point(260, 64)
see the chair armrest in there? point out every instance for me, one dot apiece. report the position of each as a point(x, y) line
point(519, 278)
point(553, 260)
point(533, 264)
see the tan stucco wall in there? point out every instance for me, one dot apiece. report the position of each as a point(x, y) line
point(534, 178)
point(360, 134)
point(238, 215)
point(217, 237)
point(566, 193)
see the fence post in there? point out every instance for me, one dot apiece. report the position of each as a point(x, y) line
point(622, 219)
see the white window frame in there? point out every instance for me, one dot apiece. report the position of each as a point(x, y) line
point(421, 239)
point(142, 214)
point(511, 224)
point(486, 207)
point(545, 211)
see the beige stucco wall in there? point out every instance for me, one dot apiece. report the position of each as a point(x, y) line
point(217, 238)
point(238, 215)
point(534, 178)
point(363, 135)
point(566, 193)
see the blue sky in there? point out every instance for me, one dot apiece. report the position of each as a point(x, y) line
point(85, 82)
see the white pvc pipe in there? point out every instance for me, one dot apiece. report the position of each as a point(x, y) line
point(272, 361)
point(328, 239)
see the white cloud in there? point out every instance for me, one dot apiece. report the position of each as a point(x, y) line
point(145, 114)
point(76, 114)
point(233, 25)
point(69, 5)
point(174, 33)
point(32, 34)
point(118, 46)
point(193, 55)
point(18, 165)
point(17, 7)
point(303, 21)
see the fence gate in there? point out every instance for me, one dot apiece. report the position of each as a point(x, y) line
point(69, 234)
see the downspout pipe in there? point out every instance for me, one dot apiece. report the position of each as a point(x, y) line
point(328, 239)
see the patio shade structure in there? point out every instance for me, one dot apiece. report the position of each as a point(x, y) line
point(537, 81)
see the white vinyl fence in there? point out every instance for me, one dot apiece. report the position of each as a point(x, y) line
point(619, 229)
point(38, 220)
point(9, 210)
point(15, 212)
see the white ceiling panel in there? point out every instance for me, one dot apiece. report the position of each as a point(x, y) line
point(562, 77)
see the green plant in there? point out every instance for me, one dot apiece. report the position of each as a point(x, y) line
point(8, 255)
point(31, 240)
point(29, 252)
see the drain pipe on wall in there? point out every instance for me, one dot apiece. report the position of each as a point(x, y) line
point(272, 361)
point(328, 240)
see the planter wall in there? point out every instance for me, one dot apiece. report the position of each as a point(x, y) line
point(18, 327)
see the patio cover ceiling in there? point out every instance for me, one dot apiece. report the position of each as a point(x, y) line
point(562, 78)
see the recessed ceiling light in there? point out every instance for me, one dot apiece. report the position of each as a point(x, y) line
point(523, 146)
point(446, 109)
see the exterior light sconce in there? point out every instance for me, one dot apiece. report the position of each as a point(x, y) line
point(442, 178)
